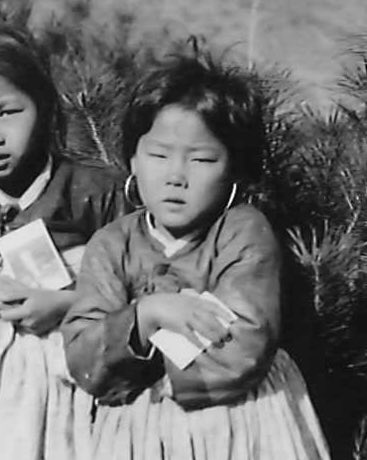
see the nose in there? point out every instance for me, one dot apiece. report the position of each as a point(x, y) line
point(176, 173)
point(2, 139)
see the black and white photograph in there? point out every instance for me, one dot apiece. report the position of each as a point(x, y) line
point(30, 257)
point(183, 230)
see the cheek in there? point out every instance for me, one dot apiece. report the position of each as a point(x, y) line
point(147, 183)
point(149, 174)
point(36, 125)
point(214, 189)
point(213, 180)
point(25, 134)
point(30, 134)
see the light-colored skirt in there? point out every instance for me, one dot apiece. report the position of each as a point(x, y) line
point(276, 422)
point(43, 415)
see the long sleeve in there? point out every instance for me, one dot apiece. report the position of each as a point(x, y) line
point(98, 328)
point(245, 277)
point(238, 262)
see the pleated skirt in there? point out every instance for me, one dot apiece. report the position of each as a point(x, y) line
point(275, 422)
point(44, 416)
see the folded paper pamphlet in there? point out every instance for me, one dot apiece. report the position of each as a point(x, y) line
point(29, 255)
point(177, 347)
point(72, 258)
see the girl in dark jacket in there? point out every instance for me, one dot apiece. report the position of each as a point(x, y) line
point(73, 200)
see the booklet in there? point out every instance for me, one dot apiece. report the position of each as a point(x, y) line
point(177, 347)
point(29, 255)
point(72, 259)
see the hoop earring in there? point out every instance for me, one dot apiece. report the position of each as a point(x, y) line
point(232, 195)
point(128, 192)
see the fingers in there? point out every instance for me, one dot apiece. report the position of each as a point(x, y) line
point(8, 305)
point(17, 313)
point(196, 338)
point(219, 310)
point(12, 290)
point(211, 303)
point(208, 325)
point(21, 316)
point(209, 319)
point(12, 297)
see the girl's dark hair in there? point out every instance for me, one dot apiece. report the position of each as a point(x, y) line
point(225, 97)
point(25, 64)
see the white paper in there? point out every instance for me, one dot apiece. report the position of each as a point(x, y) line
point(30, 256)
point(178, 348)
point(73, 258)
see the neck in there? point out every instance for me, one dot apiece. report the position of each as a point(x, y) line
point(183, 234)
point(172, 235)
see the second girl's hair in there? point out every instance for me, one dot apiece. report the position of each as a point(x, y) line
point(25, 64)
point(224, 97)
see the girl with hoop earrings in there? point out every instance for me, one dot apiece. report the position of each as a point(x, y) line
point(197, 261)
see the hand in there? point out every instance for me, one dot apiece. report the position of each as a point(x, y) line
point(181, 313)
point(40, 312)
point(12, 291)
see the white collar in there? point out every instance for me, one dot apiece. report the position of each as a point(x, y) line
point(32, 192)
point(170, 247)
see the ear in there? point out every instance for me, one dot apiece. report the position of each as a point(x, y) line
point(133, 165)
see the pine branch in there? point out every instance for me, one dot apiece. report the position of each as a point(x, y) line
point(83, 109)
point(360, 441)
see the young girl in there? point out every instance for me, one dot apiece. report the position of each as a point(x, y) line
point(36, 181)
point(196, 261)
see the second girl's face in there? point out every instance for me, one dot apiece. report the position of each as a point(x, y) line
point(18, 116)
point(182, 171)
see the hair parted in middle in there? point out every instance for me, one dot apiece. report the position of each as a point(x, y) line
point(224, 96)
point(25, 63)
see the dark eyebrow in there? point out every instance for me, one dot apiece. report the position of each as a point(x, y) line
point(158, 143)
point(205, 147)
point(198, 147)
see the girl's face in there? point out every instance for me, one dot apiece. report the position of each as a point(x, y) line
point(18, 116)
point(182, 171)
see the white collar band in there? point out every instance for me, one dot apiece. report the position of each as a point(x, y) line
point(33, 191)
point(170, 246)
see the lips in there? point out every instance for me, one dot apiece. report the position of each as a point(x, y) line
point(174, 201)
point(4, 161)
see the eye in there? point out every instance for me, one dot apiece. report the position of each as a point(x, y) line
point(204, 160)
point(157, 155)
point(8, 112)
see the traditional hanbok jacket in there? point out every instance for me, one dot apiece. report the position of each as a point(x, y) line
point(244, 400)
point(236, 259)
point(77, 200)
point(44, 416)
